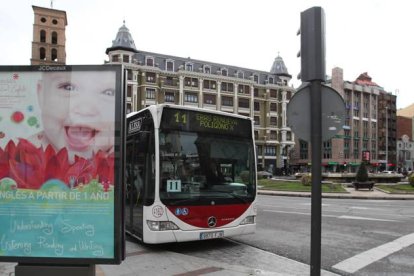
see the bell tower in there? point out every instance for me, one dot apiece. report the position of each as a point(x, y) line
point(49, 40)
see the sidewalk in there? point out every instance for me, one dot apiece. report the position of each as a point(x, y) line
point(142, 260)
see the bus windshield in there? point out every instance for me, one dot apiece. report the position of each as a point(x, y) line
point(196, 167)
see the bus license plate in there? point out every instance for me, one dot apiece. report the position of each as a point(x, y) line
point(211, 235)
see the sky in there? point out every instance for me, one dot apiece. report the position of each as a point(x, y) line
point(372, 36)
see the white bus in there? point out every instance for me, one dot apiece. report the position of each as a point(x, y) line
point(190, 174)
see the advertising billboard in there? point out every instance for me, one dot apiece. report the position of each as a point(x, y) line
point(61, 132)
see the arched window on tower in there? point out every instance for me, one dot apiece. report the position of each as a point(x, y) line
point(42, 53)
point(42, 36)
point(54, 38)
point(54, 54)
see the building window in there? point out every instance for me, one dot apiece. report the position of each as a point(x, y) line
point(42, 36)
point(209, 99)
point(149, 61)
point(42, 53)
point(256, 106)
point(115, 58)
point(54, 54)
point(209, 84)
point(169, 97)
point(189, 67)
point(129, 74)
point(257, 120)
point(273, 121)
point(244, 89)
point(192, 82)
point(191, 98)
point(273, 93)
point(244, 103)
point(240, 74)
point(150, 93)
point(125, 58)
point(303, 149)
point(271, 80)
point(224, 72)
point(43, 20)
point(150, 77)
point(169, 81)
point(128, 108)
point(129, 91)
point(227, 101)
point(207, 69)
point(54, 38)
point(170, 65)
point(273, 107)
point(256, 78)
point(327, 149)
point(227, 87)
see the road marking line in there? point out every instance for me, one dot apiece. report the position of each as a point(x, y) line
point(365, 218)
point(368, 257)
point(297, 213)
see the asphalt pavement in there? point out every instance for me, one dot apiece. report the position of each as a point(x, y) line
point(142, 260)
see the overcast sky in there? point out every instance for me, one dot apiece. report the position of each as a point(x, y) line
point(373, 36)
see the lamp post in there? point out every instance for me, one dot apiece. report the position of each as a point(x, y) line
point(386, 138)
point(263, 153)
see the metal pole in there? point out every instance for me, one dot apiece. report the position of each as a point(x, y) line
point(316, 198)
point(386, 138)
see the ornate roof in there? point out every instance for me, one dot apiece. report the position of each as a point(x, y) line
point(123, 41)
point(279, 67)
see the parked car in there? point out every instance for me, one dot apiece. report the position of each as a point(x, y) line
point(263, 175)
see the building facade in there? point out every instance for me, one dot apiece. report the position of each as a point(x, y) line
point(405, 138)
point(363, 132)
point(49, 39)
point(154, 78)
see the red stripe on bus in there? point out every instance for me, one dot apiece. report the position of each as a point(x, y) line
point(198, 215)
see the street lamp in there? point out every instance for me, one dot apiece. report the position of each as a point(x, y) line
point(263, 153)
point(386, 138)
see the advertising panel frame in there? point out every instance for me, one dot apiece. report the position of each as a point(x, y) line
point(89, 252)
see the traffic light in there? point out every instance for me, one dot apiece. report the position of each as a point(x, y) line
point(312, 44)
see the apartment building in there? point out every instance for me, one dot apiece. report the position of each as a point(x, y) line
point(368, 107)
point(154, 78)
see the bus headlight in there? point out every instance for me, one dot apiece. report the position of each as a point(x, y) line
point(161, 225)
point(248, 220)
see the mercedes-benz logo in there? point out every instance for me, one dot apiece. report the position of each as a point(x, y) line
point(211, 221)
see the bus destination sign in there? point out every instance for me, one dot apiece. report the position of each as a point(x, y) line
point(188, 120)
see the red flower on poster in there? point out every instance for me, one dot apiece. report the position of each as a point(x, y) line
point(31, 167)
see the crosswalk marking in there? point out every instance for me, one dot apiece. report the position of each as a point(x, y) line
point(368, 257)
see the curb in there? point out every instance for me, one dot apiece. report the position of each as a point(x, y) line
point(340, 196)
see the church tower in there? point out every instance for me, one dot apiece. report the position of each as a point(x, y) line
point(49, 40)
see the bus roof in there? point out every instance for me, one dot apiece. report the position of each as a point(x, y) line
point(161, 106)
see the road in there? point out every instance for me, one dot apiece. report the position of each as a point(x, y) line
point(359, 237)
point(349, 227)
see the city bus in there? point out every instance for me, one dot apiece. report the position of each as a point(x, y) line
point(190, 174)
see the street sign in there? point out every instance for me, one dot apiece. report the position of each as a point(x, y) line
point(299, 113)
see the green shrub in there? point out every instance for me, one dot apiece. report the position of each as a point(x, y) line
point(411, 179)
point(362, 174)
point(306, 179)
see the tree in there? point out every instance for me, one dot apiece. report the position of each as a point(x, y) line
point(362, 174)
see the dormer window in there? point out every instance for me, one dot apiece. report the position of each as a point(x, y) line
point(169, 65)
point(240, 74)
point(189, 66)
point(271, 80)
point(224, 72)
point(207, 69)
point(256, 78)
point(149, 61)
